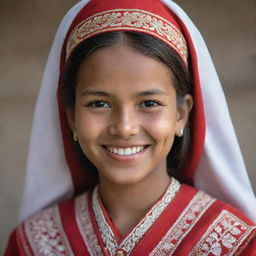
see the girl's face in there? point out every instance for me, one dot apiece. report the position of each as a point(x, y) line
point(126, 114)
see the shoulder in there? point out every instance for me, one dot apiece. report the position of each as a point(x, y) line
point(47, 231)
point(43, 233)
point(221, 228)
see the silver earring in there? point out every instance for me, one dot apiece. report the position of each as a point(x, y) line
point(180, 133)
point(74, 136)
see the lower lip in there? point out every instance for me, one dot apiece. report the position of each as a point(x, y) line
point(125, 158)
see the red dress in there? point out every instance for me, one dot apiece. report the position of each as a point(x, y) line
point(184, 221)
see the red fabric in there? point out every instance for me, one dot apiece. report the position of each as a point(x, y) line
point(97, 6)
point(67, 212)
point(18, 244)
point(250, 250)
point(83, 180)
point(174, 213)
point(197, 116)
point(168, 217)
point(95, 227)
point(120, 9)
point(13, 247)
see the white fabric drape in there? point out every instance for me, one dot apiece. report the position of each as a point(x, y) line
point(221, 171)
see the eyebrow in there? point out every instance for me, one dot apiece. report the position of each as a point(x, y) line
point(96, 93)
point(154, 91)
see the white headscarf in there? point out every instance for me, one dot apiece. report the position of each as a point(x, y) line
point(221, 171)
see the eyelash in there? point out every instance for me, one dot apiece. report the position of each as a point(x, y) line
point(96, 104)
point(102, 104)
point(155, 104)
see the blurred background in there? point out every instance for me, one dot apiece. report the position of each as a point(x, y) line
point(27, 29)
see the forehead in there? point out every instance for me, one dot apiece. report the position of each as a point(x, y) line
point(122, 66)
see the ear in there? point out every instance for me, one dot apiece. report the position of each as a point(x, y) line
point(183, 111)
point(70, 113)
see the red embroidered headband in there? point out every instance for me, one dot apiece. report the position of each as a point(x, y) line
point(128, 20)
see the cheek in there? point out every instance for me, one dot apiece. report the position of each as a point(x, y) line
point(161, 126)
point(88, 126)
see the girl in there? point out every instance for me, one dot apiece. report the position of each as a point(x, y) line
point(133, 117)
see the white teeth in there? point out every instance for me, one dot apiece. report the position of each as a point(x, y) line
point(134, 150)
point(125, 151)
point(120, 151)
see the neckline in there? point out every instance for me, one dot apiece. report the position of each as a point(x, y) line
point(109, 232)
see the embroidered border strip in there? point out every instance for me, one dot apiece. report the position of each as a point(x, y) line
point(129, 20)
point(224, 237)
point(189, 217)
point(46, 235)
point(23, 240)
point(85, 225)
point(106, 232)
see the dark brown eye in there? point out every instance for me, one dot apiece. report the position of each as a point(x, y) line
point(149, 104)
point(98, 104)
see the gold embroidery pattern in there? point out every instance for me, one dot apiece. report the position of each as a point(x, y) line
point(132, 239)
point(223, 237)
point(189, 217)
point(46, 234)
point(130, 20)
point(85, 225)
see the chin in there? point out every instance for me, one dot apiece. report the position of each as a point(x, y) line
point(123, 177)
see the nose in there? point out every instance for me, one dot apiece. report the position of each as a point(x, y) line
point(124, 123)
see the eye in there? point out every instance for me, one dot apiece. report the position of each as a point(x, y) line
point(98, 104)
point(149, 104)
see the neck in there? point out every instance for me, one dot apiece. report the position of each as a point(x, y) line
point(127, 204)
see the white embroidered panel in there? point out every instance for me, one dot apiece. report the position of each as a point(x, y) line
point(85, 225)
point(141, 228)
point(189, 217)
point(46, 235)
point(223, 237)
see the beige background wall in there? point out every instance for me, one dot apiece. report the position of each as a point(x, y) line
point(26, 30)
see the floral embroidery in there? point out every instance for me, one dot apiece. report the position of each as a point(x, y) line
point(189, 217)
point(224, 237)
point(85, 225)
point(46, 235)
point(130, 20)
point(132, 239)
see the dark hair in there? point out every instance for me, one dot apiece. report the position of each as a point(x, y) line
point(149, 46)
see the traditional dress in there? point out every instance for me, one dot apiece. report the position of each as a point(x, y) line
point(185, 220)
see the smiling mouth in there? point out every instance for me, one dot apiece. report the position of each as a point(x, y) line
point(129, 151)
